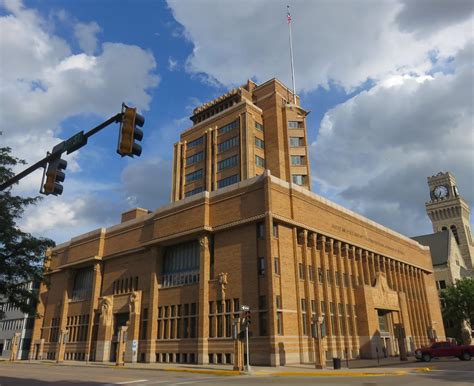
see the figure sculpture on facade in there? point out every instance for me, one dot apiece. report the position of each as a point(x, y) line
point(222, 279)
point(105, 309)
point(132, 302)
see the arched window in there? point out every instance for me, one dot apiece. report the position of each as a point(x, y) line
point(455, 233)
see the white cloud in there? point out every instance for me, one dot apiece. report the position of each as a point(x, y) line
point(172, 64)
point(42, 83)
point(376, 150)
point(346, 42)
point(86, 33)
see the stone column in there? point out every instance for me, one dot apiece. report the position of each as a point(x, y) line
point(134, 305)
point(204, 276)
point(105, 329)
point(295, 234)
point(152, 327)
point(60, 347)
point(325, 298)
point(96, 285)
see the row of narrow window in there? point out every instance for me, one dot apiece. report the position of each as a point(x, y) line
point(177, 321)
point(228, 163)
point(125, 285)
point(77, 328)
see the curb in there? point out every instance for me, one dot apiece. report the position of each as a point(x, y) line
point(341, 374)
point(230, 373)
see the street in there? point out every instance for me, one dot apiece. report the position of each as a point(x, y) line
point(443, 372)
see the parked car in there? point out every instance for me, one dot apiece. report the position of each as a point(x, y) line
point(445, 349)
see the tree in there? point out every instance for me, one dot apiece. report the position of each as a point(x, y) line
point(458, 304)
point(21, 254)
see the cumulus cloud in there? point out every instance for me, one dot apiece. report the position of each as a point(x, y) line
point(344, 42)
point(43, 83)
point(426, 16)
point(86, 35)
point(376, 150)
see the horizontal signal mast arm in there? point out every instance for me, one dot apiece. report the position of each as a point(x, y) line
point(70, 145)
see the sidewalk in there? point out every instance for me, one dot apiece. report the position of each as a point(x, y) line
point(357, 368)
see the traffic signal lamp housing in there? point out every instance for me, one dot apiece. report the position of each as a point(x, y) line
point(55, 176)
point(129, 132)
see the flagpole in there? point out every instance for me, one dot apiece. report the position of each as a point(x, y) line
point(291, 55)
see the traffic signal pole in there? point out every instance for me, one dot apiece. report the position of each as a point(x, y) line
point(72, 144)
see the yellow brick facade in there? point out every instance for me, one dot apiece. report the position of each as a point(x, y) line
point(265, 242)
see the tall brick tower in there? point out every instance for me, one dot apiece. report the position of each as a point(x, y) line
point(240, 134)
point(448, 210)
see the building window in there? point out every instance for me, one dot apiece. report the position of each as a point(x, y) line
point(82, 284)
point(345, 279)
point(298, 179)
point(329, 276)
point(194, 191)
point(383, 324)
point(442, 284)
point(295, 124)
point(301, 270)
point(128, 284)
point(197, 175)
point(297, 160)
point(279, 323)
point(229, 127)
point(338, 278)
point(275, 230)
point(279, 315)
point(260, 143)
point(195, 143)
point(304, 321)
point(296, 141)
point(262, 323)
point(177, 321)
point(320, 275)
point(258, 126)
point(228, 162)
point(229, 144)
point(259, 161)
point(228, 181)
point(261, 266)
point(260, 230)
point(192, 159)
point(311, 272)
point(181, 264)
point(333, 320)
point(276, 263)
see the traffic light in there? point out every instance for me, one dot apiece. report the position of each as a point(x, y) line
point(247, 318)
point(129, 132)
point(54, 176)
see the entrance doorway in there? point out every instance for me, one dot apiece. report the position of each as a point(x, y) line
point(120, 320)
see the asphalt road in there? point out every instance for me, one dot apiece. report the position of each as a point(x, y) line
point(448, 372)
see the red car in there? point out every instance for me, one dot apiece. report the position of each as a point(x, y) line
point(445, 349)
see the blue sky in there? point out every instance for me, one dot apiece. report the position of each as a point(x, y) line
point(389, 86)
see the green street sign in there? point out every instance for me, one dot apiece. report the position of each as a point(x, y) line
point(75, 142)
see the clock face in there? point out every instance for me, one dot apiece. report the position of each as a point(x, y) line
point(440, 191)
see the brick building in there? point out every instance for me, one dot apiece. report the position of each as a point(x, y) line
point(178, 276)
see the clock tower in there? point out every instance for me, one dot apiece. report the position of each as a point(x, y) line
point(447, 210)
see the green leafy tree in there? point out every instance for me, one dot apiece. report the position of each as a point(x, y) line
point(458, 305)
point(21, 254)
